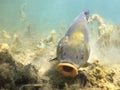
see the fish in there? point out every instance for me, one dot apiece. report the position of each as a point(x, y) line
point(73, 49)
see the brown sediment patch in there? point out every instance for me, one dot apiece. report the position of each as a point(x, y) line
point(94, 76)
point(14, 75)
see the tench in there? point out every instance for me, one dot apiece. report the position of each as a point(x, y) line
point(73, 49)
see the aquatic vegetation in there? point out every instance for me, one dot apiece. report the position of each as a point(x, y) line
point(12, 73)
point(4, 47)
point(83, 55)
point(6, 35)
point(40, 51)
point(102, 27)
point(28, 31)
point(25, 21)
point(107, 41)
point(52, 38)
point(20, 50)
point(16, 44)
point(94, 76)
point(98, 76)
point(41, 45)
point(105, 30)
point(22, 12)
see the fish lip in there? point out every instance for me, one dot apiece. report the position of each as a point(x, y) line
point(67, 69)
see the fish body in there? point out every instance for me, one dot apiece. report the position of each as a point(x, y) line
point(73, 49)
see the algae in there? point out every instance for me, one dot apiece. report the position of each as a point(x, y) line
point(24, 62)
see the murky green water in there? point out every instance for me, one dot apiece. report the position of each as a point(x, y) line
point(45, 15)
point(29, 34)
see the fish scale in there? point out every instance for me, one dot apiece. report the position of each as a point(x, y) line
point(73, 49)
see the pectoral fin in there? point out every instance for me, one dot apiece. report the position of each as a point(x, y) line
point(54, 59)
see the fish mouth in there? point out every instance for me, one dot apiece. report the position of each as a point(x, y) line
point(67, 69)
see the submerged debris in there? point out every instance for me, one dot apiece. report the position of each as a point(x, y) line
point(108, 33)
point(16, 44)
point(52, 38)
point(19, 71)
point(98, 76)
point(95, 76)
point(14, 75)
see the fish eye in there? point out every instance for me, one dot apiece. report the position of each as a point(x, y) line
point(86, 12)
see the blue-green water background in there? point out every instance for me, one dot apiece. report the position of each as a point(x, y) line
point(45, 15)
